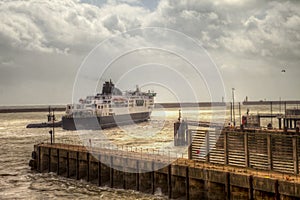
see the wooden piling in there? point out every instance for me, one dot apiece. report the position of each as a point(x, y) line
point(207, 145)
point(187, 183)
point(277, 195)
point(49, 160)
point(227, 186)
point(99, 170)
point(269, 150)
point(246, 149)
point(88, 166)
point(111, 174)
point(57, 170)
point(295, 155)
point(190, 150)
point(68, 165)
point(153, 178)
point(169, 182)
point(39, 159)
point(226, 148)
point(279, 123)
point(124, 173)
point(250, 189)
point(77, 165)
point(137, 177)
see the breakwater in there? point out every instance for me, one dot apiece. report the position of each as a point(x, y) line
point(17, 109)
point(182, 178)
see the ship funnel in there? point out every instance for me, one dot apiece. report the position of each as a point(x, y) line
point(137, 89)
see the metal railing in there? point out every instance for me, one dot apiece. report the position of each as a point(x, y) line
point(97, 146)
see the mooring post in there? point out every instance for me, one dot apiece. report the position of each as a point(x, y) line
point(153, 178)
point(137, 177)
point(187, 183)
point(269, 149)
point(295, 155)
point(169, 181)
point(99, 171)
point(88, 166)
point(57, 152)
point(68, 164)
point(49, 159)
point(111, 172)
point(77, 165)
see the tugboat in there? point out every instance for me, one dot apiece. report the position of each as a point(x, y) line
point(109, 109)
point(50, 123)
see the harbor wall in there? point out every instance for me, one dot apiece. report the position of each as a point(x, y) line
point(176, 180)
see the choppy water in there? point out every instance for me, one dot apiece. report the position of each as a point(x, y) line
point(17, 181)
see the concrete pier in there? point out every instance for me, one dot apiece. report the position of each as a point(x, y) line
point(183, 178)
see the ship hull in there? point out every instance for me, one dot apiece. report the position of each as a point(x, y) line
point(96, 123)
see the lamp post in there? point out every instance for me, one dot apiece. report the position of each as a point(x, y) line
point(233, 112)
point(51, 138)
point(280, 105)
point(53, 119)
point(51, 132)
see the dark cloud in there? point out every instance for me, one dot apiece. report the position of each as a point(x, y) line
point(248, 40)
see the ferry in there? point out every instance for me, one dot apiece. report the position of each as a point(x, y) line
point(110, 108)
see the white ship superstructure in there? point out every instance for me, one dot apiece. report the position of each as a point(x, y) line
point(111, 107)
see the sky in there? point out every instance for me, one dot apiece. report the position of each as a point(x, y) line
point(53, 52)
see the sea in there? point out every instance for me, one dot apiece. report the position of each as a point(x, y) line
point(17, 181)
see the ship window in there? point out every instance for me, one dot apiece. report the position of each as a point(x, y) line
point(98, 107)
point(139, 102)
point(69, 107)
point(101, 107)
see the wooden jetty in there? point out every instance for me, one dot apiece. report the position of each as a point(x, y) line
point(183, 178)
